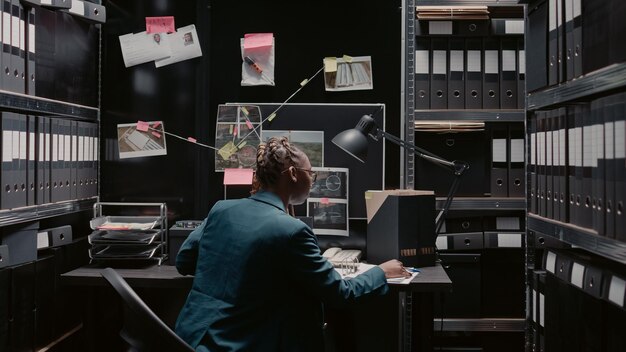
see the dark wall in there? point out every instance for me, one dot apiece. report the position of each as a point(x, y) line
point(185, 95)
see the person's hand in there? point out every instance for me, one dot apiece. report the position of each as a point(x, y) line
point(394, 268)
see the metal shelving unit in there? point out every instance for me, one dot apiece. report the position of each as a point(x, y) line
point(600, 81)
point(473, 115)
point(36, 105)
point(38, 212)
point(579, 237)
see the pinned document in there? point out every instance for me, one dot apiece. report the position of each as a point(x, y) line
point(184, 45)
point(143, 47)
point(133, 142)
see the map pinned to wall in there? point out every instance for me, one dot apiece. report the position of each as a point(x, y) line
point(237, 135)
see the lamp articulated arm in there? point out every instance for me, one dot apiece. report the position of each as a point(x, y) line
point(457, 167)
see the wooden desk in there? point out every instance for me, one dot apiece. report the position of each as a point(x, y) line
point(415, 324)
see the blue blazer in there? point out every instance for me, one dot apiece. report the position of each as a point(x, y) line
point(260, 280)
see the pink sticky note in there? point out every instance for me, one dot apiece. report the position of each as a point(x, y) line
point(238, 176)
point(156, 124)
point(256, 40)
point(142, 126)
point(163, 24)
point(324, 201)
point(191, 139)
point(235, 131)
point(249, 124)
point(156, 134)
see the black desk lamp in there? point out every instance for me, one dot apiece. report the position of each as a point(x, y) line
point(354, 142)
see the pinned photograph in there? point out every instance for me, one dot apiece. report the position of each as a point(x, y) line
point(348, 73)
point(330, 217)
point(310, 142)
point(330, 183)
point(141, 139)
point(237, 135)
point(144, 47)
point(184, 46)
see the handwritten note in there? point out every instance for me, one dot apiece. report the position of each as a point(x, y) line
point(330, 64)
point(257, 40)
point(238, 176)
point(142, 126)
point(163, 24)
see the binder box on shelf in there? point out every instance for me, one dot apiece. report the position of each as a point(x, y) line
point(401, 225)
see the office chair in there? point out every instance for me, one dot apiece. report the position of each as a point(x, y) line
point(143, 330)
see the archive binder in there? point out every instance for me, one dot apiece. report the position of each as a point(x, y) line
point(499, 165)
point(532, 165)
point(569, 39)
point(474, 74)
point(553, 43)
point(595, 31)
point(560, 62)
point(588, 140)
point(88, 11)
point(620, 169)
point(456, 82)
point(56, 4)
point(17, 47)
point(74, 160)
point(577, 37)
point(537, 52)
point(422, 73)
point(517, 186)
point(521, 74)
point(561, 196)
point(549, 164)
point(22, 322)
point(508, 75)
point(30, 54)
point(55, 172)
point(598, 113)
point(31, 182)
point(571, 163)
point(541, 163)
point(7, 82)
point(579, 112)
point(491, 77)
point(612, 105)
point(439, 74)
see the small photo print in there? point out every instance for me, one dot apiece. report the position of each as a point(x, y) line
point(330, 217)
point(188, 38)
point(133, 143)
point(355, 74)
point(330, 183)
point(310, 142)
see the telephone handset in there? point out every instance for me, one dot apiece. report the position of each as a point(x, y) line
point(337, 256)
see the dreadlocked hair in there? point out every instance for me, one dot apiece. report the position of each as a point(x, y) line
point(272, 158)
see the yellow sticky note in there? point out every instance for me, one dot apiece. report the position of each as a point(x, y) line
point(304, 82)
point(347, 58)
point(245, 111)
point(330, 64)
point(271, 117)
point(368, 195)
point(227, 150)
point(230, 129)
point(241, 144)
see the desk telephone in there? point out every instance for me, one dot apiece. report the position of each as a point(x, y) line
point(337, 256)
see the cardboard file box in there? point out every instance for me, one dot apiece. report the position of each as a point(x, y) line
point(401, 225)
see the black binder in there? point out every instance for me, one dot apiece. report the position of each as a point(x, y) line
point(549, 162)
point(541, 162)
point(595, 31)
point(521, 74)
point(532, 164)
point(491, 77)
point(588, 140)
point(422, 73)
point(517, 186)
point(571, 164)
point(578, 37)
point(612, 106)
point(31, 182)
point(579, 112)
point(561, 200)
point(508, 73)
point(44, 301)
point(617, 50)
point(569, 39)
point(5, 77)
point(30, 43)
point(598, 113)
point(499, 163)
point(560, 32)
point(537, 52)
point(18, 54)
point(5, 285)
point(620, 169)
point(553, 43)
point(456, 72)
point(473, 74)
point(439, 74)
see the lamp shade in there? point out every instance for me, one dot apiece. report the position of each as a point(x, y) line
point(354, 141)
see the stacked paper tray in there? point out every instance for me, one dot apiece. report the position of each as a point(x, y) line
point(125, 222)
point(115, 237)
point(123, 251)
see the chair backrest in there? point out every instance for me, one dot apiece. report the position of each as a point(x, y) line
point(143, 330)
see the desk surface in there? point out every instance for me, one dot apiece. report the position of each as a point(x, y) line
point(430, 279)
